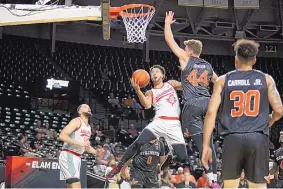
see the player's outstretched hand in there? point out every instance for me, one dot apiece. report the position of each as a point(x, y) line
point(135, 84)
point(206, 157)
point(169, 17)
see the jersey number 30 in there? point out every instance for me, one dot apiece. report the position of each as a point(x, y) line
point(243, 103)
point(192, 78)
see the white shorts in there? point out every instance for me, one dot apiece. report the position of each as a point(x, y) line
point(169, 129)
point(70, 165)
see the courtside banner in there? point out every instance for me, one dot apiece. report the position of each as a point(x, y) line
point(33, 172)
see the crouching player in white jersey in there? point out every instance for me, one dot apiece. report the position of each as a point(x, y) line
point(164, 99)
point(76, 141)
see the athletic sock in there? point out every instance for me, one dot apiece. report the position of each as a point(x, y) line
point(215, 177)
point(210, 176)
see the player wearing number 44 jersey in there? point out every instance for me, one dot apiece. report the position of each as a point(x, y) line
point(242, 98)
point(196, 76)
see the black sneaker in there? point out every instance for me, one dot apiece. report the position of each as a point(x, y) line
point(112, 173)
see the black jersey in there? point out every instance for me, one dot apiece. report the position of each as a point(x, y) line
point(195, 79)
point(244, 185)
point(279, 161)
point(165, 185)
point(245, 105)
point(148, 157)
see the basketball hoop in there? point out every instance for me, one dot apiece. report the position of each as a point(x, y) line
point(136, 18)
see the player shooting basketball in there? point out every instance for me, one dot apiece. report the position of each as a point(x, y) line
point(196, 76)
point(76, 141)
point(164, 99)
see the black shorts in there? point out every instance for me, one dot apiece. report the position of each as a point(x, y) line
point(248, 151)
point(193, 114)
point(272, 184)
point(279, 184)
point(143, 179)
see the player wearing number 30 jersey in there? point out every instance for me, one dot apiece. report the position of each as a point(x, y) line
point(242, 98)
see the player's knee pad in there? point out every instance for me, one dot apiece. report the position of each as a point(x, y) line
point(145, 136)
point(72, 180)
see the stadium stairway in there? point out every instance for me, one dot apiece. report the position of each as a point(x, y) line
point(98, 110)
point(87, 97)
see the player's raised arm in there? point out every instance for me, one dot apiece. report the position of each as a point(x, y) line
point(179, 52)
point(65, 134)
point(274, 101)
point(145, 99)
point(209, 121)
point(176, 84)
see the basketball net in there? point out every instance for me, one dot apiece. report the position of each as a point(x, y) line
point(136, 20)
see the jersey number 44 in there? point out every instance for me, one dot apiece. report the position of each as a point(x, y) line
point(195, 81)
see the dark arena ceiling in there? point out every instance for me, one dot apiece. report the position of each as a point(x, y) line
point(263, 24)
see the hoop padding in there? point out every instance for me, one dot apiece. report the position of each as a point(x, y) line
point(136, 18)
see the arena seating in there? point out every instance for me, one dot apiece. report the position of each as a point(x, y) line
point(20, 60)
point(105, 70)
point(13, 95)
point(87, 63)
point(102, 70)
point(16, 120)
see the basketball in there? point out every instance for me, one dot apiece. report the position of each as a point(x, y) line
point(142, 77)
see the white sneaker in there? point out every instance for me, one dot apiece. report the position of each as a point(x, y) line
point(210, 176)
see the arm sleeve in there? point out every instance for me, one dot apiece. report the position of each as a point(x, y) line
point(275, 158)
point(162, 150)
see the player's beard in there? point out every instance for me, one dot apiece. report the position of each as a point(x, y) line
point(86, 114)
point(157, 81)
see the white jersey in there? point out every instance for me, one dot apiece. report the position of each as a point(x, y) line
point(165, 101)
point(82, 133)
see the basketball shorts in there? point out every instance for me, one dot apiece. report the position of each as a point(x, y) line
point(278, 184)
point(248, 151)
point(193, 114)
point(142, 179)
point(70, 165)
point(272, 184)
point(169, 129)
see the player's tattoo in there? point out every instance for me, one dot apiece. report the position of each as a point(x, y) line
point(273, 95)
